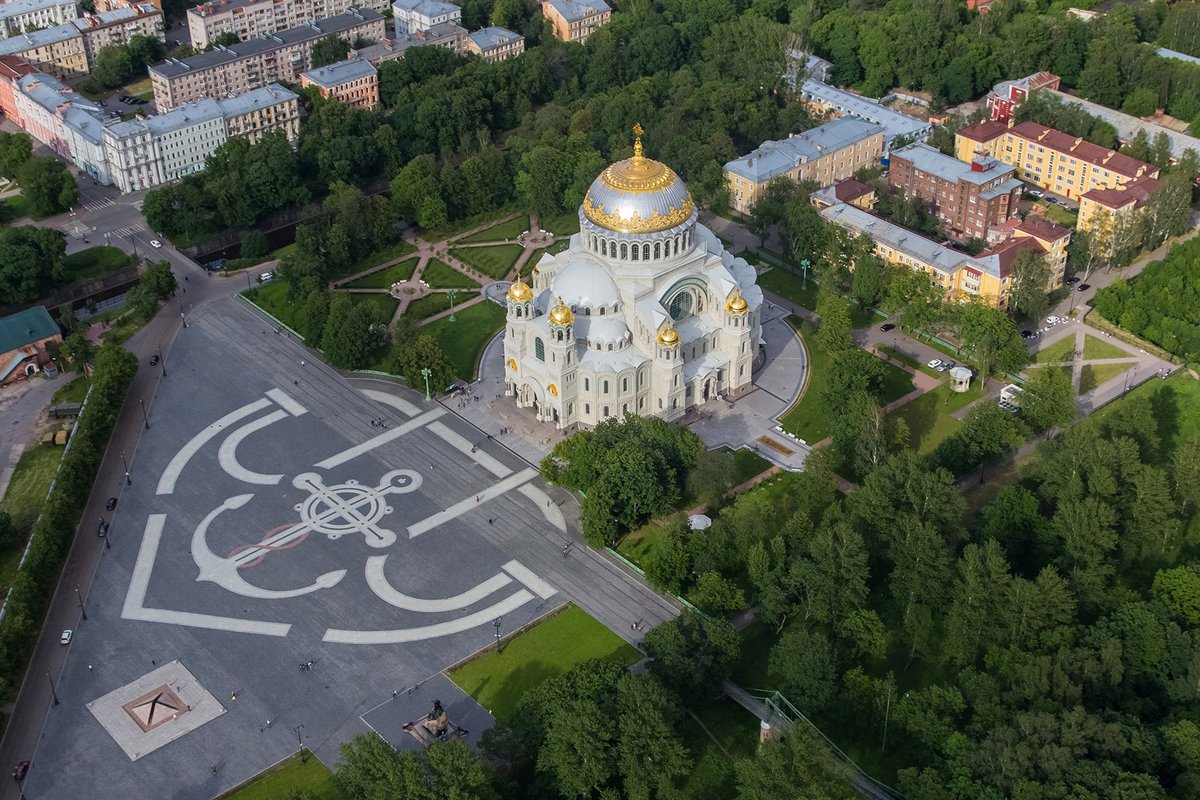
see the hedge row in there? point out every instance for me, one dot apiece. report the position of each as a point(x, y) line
point(51, 537)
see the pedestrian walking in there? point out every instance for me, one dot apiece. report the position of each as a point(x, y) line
point(490, 520)
point(431, 465)
point(89, 667)
point(476, 498)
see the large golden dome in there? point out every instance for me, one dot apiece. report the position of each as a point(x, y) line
point(638, 195)
point(561, 314)
point(520, 292)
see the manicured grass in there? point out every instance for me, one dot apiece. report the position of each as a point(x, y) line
point(95, 261)
point(384, 304)
point(20, 206)
point(638, 545)
point(505, 230)
point(790, 287)
point(548, 649)
point(1062, 350)
point(1176, 406)
point(1092, 375)
point(384, 278)
point(561, 224)
point(496, 261)
point(428, 306)
point(30, 481)
point(272, 298)
point(896, 384)
point(929, 417)
point(141, 89)
point(1061, 215)
point(441, 276)
point(390, 253)
point(1098, 348)
point(747, 464)
point(72, 392)
point(807, 419)
point(1067, 369)
point(464, 339)
point(292, 775)
point(452, 229)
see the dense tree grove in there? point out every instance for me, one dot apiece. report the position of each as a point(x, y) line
point(31, 263)
point(1162, 303)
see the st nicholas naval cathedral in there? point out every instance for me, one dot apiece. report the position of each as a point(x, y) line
point(644, 312)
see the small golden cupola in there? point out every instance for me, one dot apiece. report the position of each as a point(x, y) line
point(520, 292)
point(561, 314)
point(736, 304)
point(668, 337)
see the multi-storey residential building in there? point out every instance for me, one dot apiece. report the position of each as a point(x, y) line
point(144, 153)
point(969, 198)
point(112, 5)
point(961, 277)
point(12, 69)
point(248, 19)
point(495, 44)
point(420, 16)
point(1129, 126)
point(575, 20)
point(19, 16)
point(354, 82)
point(241, 67)
point(119, 26)
point(1007, 95)
point(445, 34)
point(59, 50)
point(1058, 162)
point(826, 154)
point(70, 125)
point(847, 190)
point(1104, 212)
point(833, 102)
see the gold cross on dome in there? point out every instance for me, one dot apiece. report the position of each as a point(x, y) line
point(637, 142)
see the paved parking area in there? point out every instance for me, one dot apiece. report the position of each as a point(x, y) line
point(271, 523)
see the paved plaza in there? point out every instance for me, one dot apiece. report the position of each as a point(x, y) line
point(281, 514)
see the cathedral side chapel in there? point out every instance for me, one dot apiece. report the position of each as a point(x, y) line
point(645, 312)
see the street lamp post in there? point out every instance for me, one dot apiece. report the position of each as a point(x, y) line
point(496, 623)
point(79, 597)
point(145, 417)
point(804, 265)
point(300, 741)
point(249, 286)
point(451, 293)
point(53, 691)
point(125, 462)
point(425, 373)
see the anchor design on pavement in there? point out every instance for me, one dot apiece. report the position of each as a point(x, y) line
point(333, 511)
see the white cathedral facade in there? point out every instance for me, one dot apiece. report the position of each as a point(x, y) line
point(645, 312)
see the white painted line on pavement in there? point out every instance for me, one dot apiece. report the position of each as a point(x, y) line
point(483, 617)
point(388, 594)
point(285, 401)
point(463, 506)
point(139, 582)
point(550, 509)
point(463, 446)
point(381, 439)
point(525, 575)
point(398, 403)
point(166, 484)
point(227, 455)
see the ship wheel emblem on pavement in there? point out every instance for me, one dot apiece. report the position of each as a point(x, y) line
point(351, 507)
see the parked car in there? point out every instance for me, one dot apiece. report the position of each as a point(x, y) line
point(155, 243)
point(1071, 281)
point(1026, 334)
point(1052, 201)
point(935, 363)
point(154, 360)
point(1052, 320)
point(266, 276)
point(66, 636)
point(1035, 193)
point(21, 770)
point(111, 504)
point(945, 366)
point(1083, 287)
point(887, 326)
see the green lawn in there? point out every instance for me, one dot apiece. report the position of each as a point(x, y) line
point(94, 262)
point(429, 305)
point(928, 417)
point(72, 392)
point(390, 253)
point(896, 384)
point(23, 500)
point(638, 545)
point(272, 298)
point(452, 229)
point(807, 419)
point(384, 278)
point(20, 206)
point(1067, 369)
point(1098, 348)
point(1061, 215)
point(747, 464)
point(1062, 350)
point(505, 230)
point(789, 286)
point(384, 304)
point(496, 261)
point(548, 649)
point(440, 276)
point(290, 776)
point(1092, 375)
point(561, 224)
point(464, 339)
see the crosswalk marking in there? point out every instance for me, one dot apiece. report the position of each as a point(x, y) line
point(96, 205)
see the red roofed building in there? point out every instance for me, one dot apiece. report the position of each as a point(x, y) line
point(847, 190)
point(12, 68)
point(1067, 165)
point(1007, 95)
point(1099, 207)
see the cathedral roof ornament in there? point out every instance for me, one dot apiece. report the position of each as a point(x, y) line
point(638, 195)
point(561, 314)
point(668, 336)
point(736, 304)
point(520, 292)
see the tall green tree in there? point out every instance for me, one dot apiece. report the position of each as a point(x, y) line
point(48, 186)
